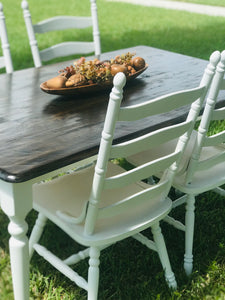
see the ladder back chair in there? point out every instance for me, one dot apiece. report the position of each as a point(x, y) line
point(203, 162)
point(102, 204)
point(62, 23)
point(6, 59)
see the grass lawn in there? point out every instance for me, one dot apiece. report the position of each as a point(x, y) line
point(122, 25)
point(128, 271)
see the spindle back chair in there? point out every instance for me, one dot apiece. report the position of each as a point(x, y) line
point(203, 161)
point(102, 204)
point(62, 23)
point(6, 59)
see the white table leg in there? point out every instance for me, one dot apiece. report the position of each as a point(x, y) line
point(16, 202)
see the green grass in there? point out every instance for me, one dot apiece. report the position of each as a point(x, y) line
point(128, 271)
point(121, 26)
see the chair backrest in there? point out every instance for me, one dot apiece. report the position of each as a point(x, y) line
point(204, 139)
point(5, 60)
point(62, 23)
point(168, 164)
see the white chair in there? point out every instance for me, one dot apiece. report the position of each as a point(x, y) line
point(5, 60)
point(62, 23)
point(102, 204)
point(203, 163)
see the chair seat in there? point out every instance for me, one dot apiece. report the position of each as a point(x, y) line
point(166, 149)
point(72, 191)
point(204, 180)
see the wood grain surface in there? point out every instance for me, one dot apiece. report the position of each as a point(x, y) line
point(40, 132)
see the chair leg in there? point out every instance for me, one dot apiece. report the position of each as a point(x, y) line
point(189, 234)
point(36, 232)
point(93, 273)
point(163, 255)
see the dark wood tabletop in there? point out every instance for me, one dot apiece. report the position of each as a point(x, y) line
point(40, 132)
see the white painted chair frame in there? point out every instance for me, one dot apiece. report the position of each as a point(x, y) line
point(120, 205)
point(204, 171)
point(198, 176)
point(6, 59)
point(62, 23)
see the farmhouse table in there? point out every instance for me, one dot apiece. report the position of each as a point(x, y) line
point(42, 134)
